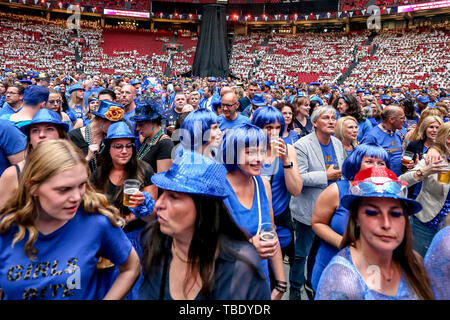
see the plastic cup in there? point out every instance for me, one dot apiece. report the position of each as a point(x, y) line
point(130, 187)
point(268, 232)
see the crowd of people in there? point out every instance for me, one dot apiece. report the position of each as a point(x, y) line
point(133, 185)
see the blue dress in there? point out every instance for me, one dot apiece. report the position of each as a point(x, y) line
point(437, 264)
point(280, 197)
point(341, 281)
point(248, 219)
point(338, 224)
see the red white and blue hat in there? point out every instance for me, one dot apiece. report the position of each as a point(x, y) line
point(379, 182)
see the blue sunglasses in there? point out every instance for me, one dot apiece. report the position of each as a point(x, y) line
point(389, 187)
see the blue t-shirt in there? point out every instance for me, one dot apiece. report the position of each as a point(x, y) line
point(6, 111)
point(391, 143)
point(329, 157)
point(225, 124)
point(364, 128)
point(12, 141)
point(66, 261)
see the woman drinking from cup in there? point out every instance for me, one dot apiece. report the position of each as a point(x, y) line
point(118, 173)
point(243, 151)
point(434, 195)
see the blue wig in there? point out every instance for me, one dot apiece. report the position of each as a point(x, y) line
point(194, 132)
point(238, 138)
point(268, 115)
point(352, 164)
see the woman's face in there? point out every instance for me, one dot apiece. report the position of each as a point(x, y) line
point(251, 160)
point(215, 137)
point(176, 214)
point(54, 102)
point(60, 195)
point(2, 88)
point(121, 151)
point(432, 130)
point(342, 106)
point(375, 111)
point(287, 115)
point(272, 129)
point(304, 108)
point(381, 223)
point(93, 105)
point(369, 162)
point(41, 132)
point(147, 128)
point(79, 94)
point(350, 130)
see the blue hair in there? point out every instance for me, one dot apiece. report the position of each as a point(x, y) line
point(194, 127)
point(352, 164)
point(237, 138)
point(267, 115)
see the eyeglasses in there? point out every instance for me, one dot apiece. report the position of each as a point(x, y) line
point(54, 101)
point(121, 146)
point(391, 187)
point(224, 105)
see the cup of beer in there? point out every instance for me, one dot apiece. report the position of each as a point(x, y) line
point(274, 145)
point(444, 177)
point(130, 187)
point(268, 232)
point(407, 158)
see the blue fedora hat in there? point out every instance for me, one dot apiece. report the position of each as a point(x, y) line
point(45, 115)
point(258, 100)
point(194, 173)
point(316, 98)
point(74, 87)
point(26, 81)
point(423, 99)
point(379, 182)
point(110, 111)
point(119, 130)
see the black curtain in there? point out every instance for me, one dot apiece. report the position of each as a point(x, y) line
point(211, 54)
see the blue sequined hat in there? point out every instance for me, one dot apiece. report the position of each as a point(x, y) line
point(45, 115)
point(379, 182)
point(195, 174)
point(258, 100)
point(119, 130)
point(110, 111)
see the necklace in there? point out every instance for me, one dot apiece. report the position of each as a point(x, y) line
point(176, 253)
point(388, 279)
point(146, 146)
point(87, 138)
point(390, 132)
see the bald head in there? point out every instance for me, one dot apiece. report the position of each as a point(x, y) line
point(128, 94)
point(225, 90)
point(393, 117)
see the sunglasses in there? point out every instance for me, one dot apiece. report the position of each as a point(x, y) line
point(390, 187)
point(121, 146)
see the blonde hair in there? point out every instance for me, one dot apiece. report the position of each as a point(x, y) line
point(340, 126)
point(425, 113)
point(427, 121)
point(440, 143)
point(48, 159)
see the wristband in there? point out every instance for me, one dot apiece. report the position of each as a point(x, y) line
point(288, 166)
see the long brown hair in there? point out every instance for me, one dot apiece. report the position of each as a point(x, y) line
point(48, 159)
point(411, 263)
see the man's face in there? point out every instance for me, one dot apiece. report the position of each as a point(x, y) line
point(206, 92)
point(96, 81)
point(128, 93)
point(12, 96)
point(326, 123)
point(252, 90)
point(194, 100)
point(229, 106)
point(398, 120)
point(180, 101)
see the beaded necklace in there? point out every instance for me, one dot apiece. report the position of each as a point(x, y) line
point(87, 138)
point(145, 148)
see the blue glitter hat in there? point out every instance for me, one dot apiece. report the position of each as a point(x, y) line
point(75, 87)
point(45, 116)
point(119, 130)
point(194, 173)
point(379, 182)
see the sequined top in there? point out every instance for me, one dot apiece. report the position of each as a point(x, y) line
point(341, 281)
point(437, 263)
